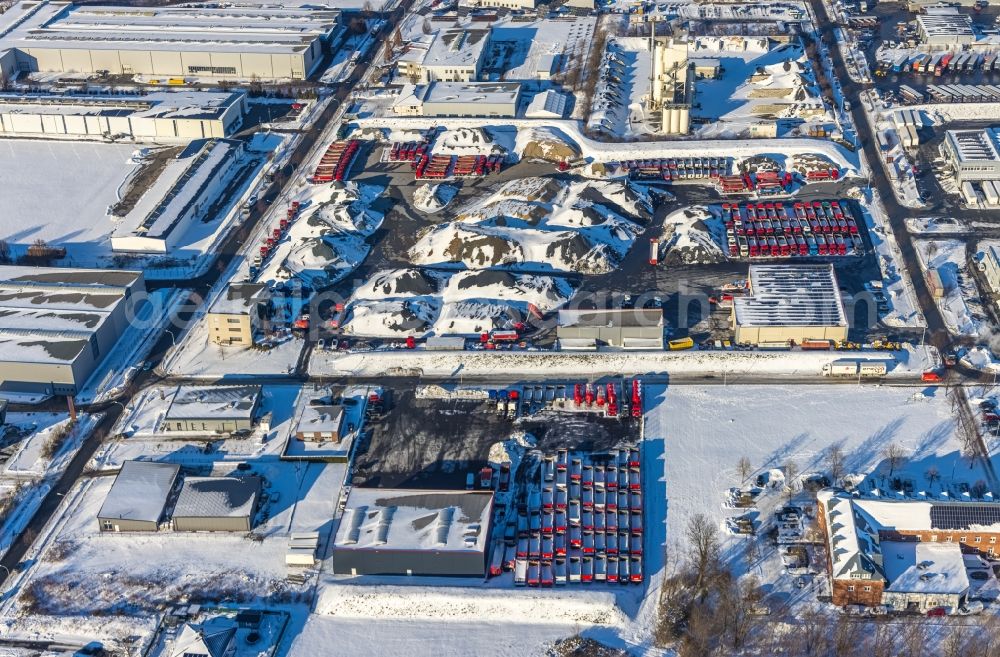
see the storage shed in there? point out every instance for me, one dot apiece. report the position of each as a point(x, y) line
point(138, 497)
point(217, 504)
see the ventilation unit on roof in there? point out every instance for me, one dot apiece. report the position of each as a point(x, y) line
point(384, 520)
point(444, 517)
point(357, 518)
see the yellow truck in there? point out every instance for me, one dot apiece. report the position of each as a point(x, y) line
point(680, 344)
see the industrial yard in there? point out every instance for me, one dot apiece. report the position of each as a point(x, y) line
point(499, 328)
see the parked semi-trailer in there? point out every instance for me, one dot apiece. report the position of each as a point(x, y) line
point(853, 368)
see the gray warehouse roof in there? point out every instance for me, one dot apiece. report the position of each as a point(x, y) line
point(637, 317)
point(791, 295)
point(140, 491)
point(213, 402)
point(413, 520)
point(217, 497)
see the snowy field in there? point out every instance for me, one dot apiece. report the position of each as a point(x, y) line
point(704, 430)
point(92, 174)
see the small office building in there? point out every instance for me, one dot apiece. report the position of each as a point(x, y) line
point(217, 504)
point(138, 497)
point(212, 409)
point(622, 328)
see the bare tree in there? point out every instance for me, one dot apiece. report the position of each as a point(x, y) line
point(914, 639)
point(703, 541)
point(743, 468)
point(932, 475)
point(736, 608)
point(979, 488)
point(791, 472)
point(894, 455)
point(835, 463)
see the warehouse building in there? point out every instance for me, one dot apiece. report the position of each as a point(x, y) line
point(57, 324)
point(459, 99)
point(190, 189)
point(138, 497)
point(790, 303)
point(270, 43)
point(217, 504)
point(212, 409)
point(453, 55)
point(989, 264)
point(945, 27)
point(414, 532)
point(237, 316)
point(619, 328)
point(159, 117)
point(974, 154)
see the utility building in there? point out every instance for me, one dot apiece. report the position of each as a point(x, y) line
point(790, 302)
point(217, 504)
point(414, 532)
point(212, 409)
point(621, 328)
point(138, 497)
point(237, 316)
point(270, 43)
point(670, 88)
point(974, 155)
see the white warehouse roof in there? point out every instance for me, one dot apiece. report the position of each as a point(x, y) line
point(140, 491)
point(791, 295)
point(217, 497)
point(974, 146)
point(213, 402)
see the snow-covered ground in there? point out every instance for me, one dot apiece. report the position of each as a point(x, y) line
point(961, 307)
point(731, 365)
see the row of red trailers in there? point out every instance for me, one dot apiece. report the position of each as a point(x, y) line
point(606, 396)
point(272, 238)
point(336, 161)
point(671, 169)
point(769, 183)
point(429, 167)
point(408, 151)
point(817, 228)
point(585, 522)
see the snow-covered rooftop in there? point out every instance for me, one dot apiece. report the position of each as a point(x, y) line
point(972, 146)
point(791, 295)
point(457, 47)
point(159, 105)
point(217, 497)
point(238, 299)
point(140, 491)
point(399, 519)
point(214, 402)
point(461, 93)
point(612, 317)
point(934, 568)
point(321, 418)
point(272, 30)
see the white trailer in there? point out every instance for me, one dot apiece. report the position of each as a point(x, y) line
point(845, 367)
point(520, 572)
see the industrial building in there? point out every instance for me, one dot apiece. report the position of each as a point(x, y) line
point(790, 303)
point(671, 85)
point(973, 154)
point(217, 504)
point(459, 99)
point(452, 55)
point(188, 190)
point(270, 43)
point(414, 532)
point(212, 409)
point(138, 497)
point(57, 324)
point(989, 264)
point(620, 328)
point(879, 548)
point(548, 104)
point(945, 27)
point(159, 117)
point(237, 316)
point(516, 5)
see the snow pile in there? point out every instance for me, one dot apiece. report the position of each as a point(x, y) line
point(473, 604)
point(466, 141)
point(585, 227)
point(465, 303)
point(980, 358)
point(960, 305)
point(548, 144)
point(329, 239)
point(693, 235)
point(432, 198)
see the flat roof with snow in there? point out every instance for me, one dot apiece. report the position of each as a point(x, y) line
point(791, 295)
point(217, 497)
point(415, 520)
point(637, 317)
point(214, 403)
point(139, 492)
point(50, 314)
point(157, 105)
point(457, 46)
point(975, 146)
point(64, 26)
point(928, 568)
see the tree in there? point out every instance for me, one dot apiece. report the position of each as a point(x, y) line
point(791, 472)
point(743, 468)
point(979, 489)
point(932, 475)
point(894, 455)
point(835, 463)
point(703, 540)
